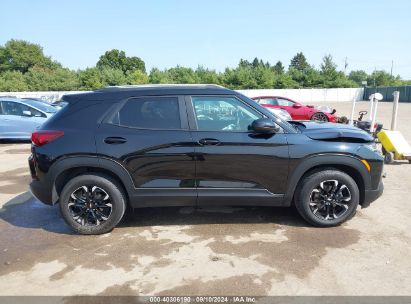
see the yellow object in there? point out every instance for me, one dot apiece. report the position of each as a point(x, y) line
point(393, 141)
point(366, 164)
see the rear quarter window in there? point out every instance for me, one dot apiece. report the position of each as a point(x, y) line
point(149, 113)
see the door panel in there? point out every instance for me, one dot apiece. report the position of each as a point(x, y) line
point(160, 161)
point(253, 168)
point(236, 167)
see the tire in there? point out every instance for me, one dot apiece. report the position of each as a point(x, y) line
point(91, 211)
point(388, 157)
point(309, 191)
point(319, 116)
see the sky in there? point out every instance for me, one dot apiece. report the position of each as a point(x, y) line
point(216, 33)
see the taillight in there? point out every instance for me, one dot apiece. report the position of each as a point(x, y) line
point(40, 138)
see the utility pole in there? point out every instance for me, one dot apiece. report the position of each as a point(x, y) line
point(345, 65)
point(392, 65)
point(395, 110)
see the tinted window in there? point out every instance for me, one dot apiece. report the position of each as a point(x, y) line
point(285, 102)
point(151, 112)
point(223, 114)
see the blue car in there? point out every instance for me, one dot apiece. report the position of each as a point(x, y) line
point(19, 118)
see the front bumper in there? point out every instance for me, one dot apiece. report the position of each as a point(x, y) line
point(372, 195)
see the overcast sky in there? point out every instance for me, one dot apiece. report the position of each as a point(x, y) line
point(216, 34)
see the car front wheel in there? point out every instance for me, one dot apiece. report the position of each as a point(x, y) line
point(327, 198)
point(92, 203)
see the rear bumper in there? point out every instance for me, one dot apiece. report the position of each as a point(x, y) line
point(41, 192)
point(372, 195)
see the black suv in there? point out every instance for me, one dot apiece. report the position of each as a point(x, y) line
point(195, 145)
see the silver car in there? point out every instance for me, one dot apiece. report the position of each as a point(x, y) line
point(19, 118)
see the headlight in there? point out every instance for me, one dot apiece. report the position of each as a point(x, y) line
point(373, 147)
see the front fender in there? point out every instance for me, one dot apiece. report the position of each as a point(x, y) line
point(322, 160)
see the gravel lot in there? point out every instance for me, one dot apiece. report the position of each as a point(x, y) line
point(218, 251)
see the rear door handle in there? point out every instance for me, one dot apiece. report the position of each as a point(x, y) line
point(209, 142)
point(115, 140)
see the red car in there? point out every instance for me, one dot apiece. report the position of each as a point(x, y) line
point(297, 110)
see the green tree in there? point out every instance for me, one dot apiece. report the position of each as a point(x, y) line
point(285, 81)
point(137, 77)
point(45, 79)
point(382, 78)
point(207, 76)
point(113, 77)
point(299, 62)
point(12, 81)
point(90, 79)
point(358, 76)
point(182, 75)
point(328, 67)
point(118, 60)
point(156, 76)
point(20, 55)
point(279, 68)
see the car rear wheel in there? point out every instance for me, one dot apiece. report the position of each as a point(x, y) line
point(319, 116)
point(327, 198)
point(92, 203)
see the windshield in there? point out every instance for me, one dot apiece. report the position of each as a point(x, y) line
point(42, 106)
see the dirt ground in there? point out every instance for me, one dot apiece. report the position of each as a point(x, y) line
point(216, 251)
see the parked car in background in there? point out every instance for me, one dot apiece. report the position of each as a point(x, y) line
point(297, 110)
point(280, 113)
point(57, 104)
point(20, 117)
point(195, 145)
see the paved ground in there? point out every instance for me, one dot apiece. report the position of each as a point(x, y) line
point(219, 251)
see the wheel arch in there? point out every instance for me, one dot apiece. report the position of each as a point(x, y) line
point(345, 163)
point(68, 168)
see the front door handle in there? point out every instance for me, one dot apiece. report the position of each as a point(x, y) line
point(115, 140)
point(209, 142)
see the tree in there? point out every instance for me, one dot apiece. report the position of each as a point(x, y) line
point(137, 77)
point(207, 76)
point(279, 68)
point(382, 78)
point(328, 67)
point(358, 76)
point(90, 79)
point(182, 75)
point(20, 55)
point(45, 79)
point(118, 60)
point(156, 76)
point(299, 62)
point(12, 81)
point(113, 77)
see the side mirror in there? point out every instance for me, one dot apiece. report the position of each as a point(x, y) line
point(297, 105)
point(264, 126)
point(27, 113)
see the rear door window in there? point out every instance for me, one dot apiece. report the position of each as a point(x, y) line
point(149, 113)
